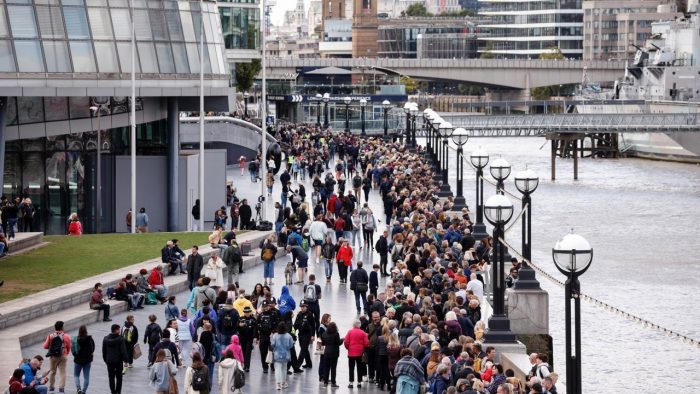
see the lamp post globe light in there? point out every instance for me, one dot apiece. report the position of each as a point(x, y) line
point(526, 182)
point(435, 121)
point(498, 210)
point(479, 159)
point(446, 131)
point(326, 99)
point(427, 114)
point(363, 104)
point(386, 105)
point(347, 101)
point(460, 138)
point(573, 256)
point(319, 98)
point(500, 171)
point(246, 95)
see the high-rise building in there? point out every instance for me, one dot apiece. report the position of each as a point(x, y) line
point(314, 16)
point(527, 29)
point(611, 29)
point(364, 28)
point(240, 22)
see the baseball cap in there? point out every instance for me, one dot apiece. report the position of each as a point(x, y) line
point(247, 309)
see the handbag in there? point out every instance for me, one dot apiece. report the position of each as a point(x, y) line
point(268, 359)
point(137, 351)
point(361, 287)
point(172, 388)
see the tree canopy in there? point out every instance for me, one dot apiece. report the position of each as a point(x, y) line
point(246, 73)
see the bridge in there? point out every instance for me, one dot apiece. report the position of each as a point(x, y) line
point(513, 74)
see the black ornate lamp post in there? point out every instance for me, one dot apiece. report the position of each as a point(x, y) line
point(407, 110)
point(326, 99)
point(347, 101)
point(386, 105)
point(446, 131)
point(460, 137)
point(319, 98)
point(500, 170)
point(435, 122)
point(498, 210)
point(246, 95)
point(363, 104)
point(573, 255)
point(427, 114)
point(479, 159)
point(526, 182)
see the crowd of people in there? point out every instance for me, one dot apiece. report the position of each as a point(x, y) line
point(419, 325)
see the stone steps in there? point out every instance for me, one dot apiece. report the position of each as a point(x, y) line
point(25, 241)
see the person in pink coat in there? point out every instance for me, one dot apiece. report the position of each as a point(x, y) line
point(235, 348)
point(355, 342)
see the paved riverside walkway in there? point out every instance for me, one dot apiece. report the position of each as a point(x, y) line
point(336, 300)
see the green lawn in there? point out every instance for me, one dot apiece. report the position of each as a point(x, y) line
point(67, 259)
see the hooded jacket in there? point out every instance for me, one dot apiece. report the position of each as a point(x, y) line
point(227, 368)
point(286, 301)
point(235, 348)
point(113, 349)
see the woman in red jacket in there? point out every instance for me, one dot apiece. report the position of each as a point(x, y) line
point(344, 259)
point(355, 342)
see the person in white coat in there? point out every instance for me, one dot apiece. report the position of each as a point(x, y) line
point(214, 270)
point(227, 367)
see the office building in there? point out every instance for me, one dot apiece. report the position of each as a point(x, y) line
point(427, 38)
point(528, 29)
point(611, 29)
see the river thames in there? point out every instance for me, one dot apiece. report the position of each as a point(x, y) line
point(641, 218)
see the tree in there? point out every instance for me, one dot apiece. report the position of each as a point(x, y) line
point(546, 92)
point(410, 84)
point(487, 54)
point(417, 9)
point(246, 73)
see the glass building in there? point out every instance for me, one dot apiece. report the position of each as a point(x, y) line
point(428, 38)
point(59, 58)
point(527, 29)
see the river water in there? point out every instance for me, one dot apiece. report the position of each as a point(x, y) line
point(641, 218)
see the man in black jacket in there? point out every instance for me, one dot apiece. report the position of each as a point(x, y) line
point(195, 263)
point(166, 343)
point(382, 248)
point(359, 284)
point(246, 213)
point(305, 324)
point(114, 355)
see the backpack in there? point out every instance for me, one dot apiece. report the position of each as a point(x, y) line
point(265, 323)
point(154, 337)
point(338, 205)
point(305, 244)
point(356, 182)
point(75, 347)
point(151, 298)
point(407, 385)
point(238, 378)
point(56, 346)
point(127, 334)
point(310, 293)
point(267, 254)
point(198, 348)
point(200, 380)
point(227, 321)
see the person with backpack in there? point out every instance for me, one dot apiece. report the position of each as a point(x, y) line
point(231, 374)
point(359, 284)
point(166, 344)
point(357, 185)
point(281, 344)
point(83, 348)
point(267, 321)
point(197, 376)
point(233, 258)
point(312, 293)
point(227, 322)
point(152, 336)
point(58, 345)
point(268, 251)
point(131, 338)
point(162, 373)
point(114, 355)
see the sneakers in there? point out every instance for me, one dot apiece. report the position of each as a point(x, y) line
point(359, 385)
point(350, 386)
point(279, 387)
point(107, 319)
point(334, 386)
point(285, 385)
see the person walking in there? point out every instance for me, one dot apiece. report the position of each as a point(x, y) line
point(83, 349)
point(369, 223)
point(131, 337)
point(114, 355)
point(268, 251)
point(331, 341)
point(197, 377)
point(247, 332)
point(281, 344)
point(184, 334)
point(382, 247)
point(162, 373)
point(355, 342)
point(195, 216)
point(359, 284)
point(214, 270)
point(344, 259)
point(227, 371)
point(58, 345)
point(142, 221)
point(328, 254)
point(195, 264)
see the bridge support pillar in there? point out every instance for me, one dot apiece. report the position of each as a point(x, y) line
point(554, 160)
point(172, 162)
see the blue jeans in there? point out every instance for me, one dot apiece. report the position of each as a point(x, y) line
point(42, 388)
point(210, 367)
point(269, 269)
point(11, 223)
point(328, 265)
point(85, 368)
point(359, 296)
point(283, 201)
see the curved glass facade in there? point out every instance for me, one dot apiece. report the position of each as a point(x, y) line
point(240, 26)
point(94, 36)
